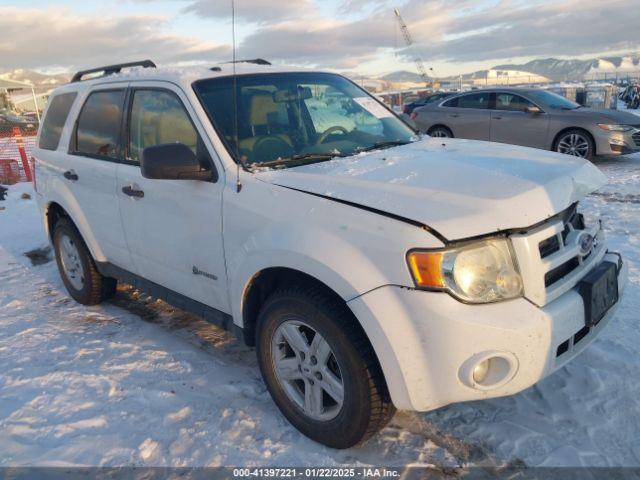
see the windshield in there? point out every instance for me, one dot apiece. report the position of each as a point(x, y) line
point(289, 118)
point(553, 100)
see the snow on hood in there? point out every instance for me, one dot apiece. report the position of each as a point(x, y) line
point(460, 188)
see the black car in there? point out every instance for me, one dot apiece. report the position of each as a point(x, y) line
point(421, 102)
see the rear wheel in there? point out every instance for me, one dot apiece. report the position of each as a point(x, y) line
point(577, 143)
point(320, 369)
point(76, 266)
point(440, 132)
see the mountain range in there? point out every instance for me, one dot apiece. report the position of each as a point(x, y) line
point(41, 81)
point(552, 68)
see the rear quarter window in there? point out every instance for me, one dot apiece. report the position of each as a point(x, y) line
point(451, 103)
point(55, 119)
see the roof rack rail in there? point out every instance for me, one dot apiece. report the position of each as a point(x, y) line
point(257, 61)
point(111, 69)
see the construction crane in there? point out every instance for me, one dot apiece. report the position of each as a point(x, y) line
point(416, 56)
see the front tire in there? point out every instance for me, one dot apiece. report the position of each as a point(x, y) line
point(77, 268)
point(577, 143)
point(320, 368)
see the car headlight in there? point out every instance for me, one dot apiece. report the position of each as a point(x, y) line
point(615, 128)
point(480, 272)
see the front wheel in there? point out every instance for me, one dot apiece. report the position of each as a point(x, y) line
point(320, 369)
point(577, 143)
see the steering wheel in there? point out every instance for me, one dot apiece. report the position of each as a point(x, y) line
point(329, 131)
point(270, 147)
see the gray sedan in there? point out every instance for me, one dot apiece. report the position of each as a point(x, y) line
point(532, 118)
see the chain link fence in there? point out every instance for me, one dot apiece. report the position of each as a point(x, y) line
point(16, 147)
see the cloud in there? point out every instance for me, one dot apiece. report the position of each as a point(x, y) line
point(460, 31)
point(295, 32)
point(512, 28)
point(324, 42)
point(58, 37)
point(250, 10)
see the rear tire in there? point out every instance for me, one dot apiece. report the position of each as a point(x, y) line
point(307, 342)
point(440, 131)
point(77, 268)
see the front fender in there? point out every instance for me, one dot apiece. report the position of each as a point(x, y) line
point(332, 260)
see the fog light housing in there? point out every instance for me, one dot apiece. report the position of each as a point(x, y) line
point(488, 370)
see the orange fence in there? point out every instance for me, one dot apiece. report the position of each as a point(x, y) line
point(16, 147)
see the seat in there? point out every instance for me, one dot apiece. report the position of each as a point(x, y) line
point(267, 120)
point(157, 128)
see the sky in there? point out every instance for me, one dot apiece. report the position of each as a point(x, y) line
point(360, 37)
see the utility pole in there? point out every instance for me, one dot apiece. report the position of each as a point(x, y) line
point(35, 103)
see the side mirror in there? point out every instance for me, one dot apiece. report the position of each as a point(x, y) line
point(533, 109)
point(172, 161)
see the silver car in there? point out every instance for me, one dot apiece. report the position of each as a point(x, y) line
point(533, 118)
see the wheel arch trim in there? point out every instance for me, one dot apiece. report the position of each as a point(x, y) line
point(73, 211)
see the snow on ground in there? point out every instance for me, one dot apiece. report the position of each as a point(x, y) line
point(136, 382)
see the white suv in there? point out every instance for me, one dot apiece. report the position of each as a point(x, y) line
point(371, 268)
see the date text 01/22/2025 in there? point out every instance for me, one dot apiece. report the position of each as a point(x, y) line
point(321, 472)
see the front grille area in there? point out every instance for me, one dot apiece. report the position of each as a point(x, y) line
point(549, 246)
point(572, 221)
point(636, 138)
point(561, 262)
point(552, 276)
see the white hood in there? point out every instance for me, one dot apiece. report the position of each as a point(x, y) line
point(460, 188)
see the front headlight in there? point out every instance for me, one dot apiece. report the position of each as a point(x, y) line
point(615, 128)
point(479, 272)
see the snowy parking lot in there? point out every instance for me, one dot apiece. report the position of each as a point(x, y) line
point(136, 382)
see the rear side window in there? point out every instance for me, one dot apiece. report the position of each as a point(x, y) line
point(55, 119)
point(98, 128)
point(474, 100)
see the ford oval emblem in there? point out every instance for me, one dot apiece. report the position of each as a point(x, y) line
point(586, 241)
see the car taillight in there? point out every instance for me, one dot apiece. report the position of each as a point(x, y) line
point(414, 115)
point(33, 173)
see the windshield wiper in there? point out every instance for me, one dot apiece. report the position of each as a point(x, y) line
point(298, 159)
point(381, 145)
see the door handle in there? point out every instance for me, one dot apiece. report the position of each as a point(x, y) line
point(497, 118)
point(132, 192)
point(70, 175)
point(454, 115)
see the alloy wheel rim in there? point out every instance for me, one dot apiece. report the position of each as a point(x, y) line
point(574, 144)
point(71, 264)
point(439, 133)
point(307, 370)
